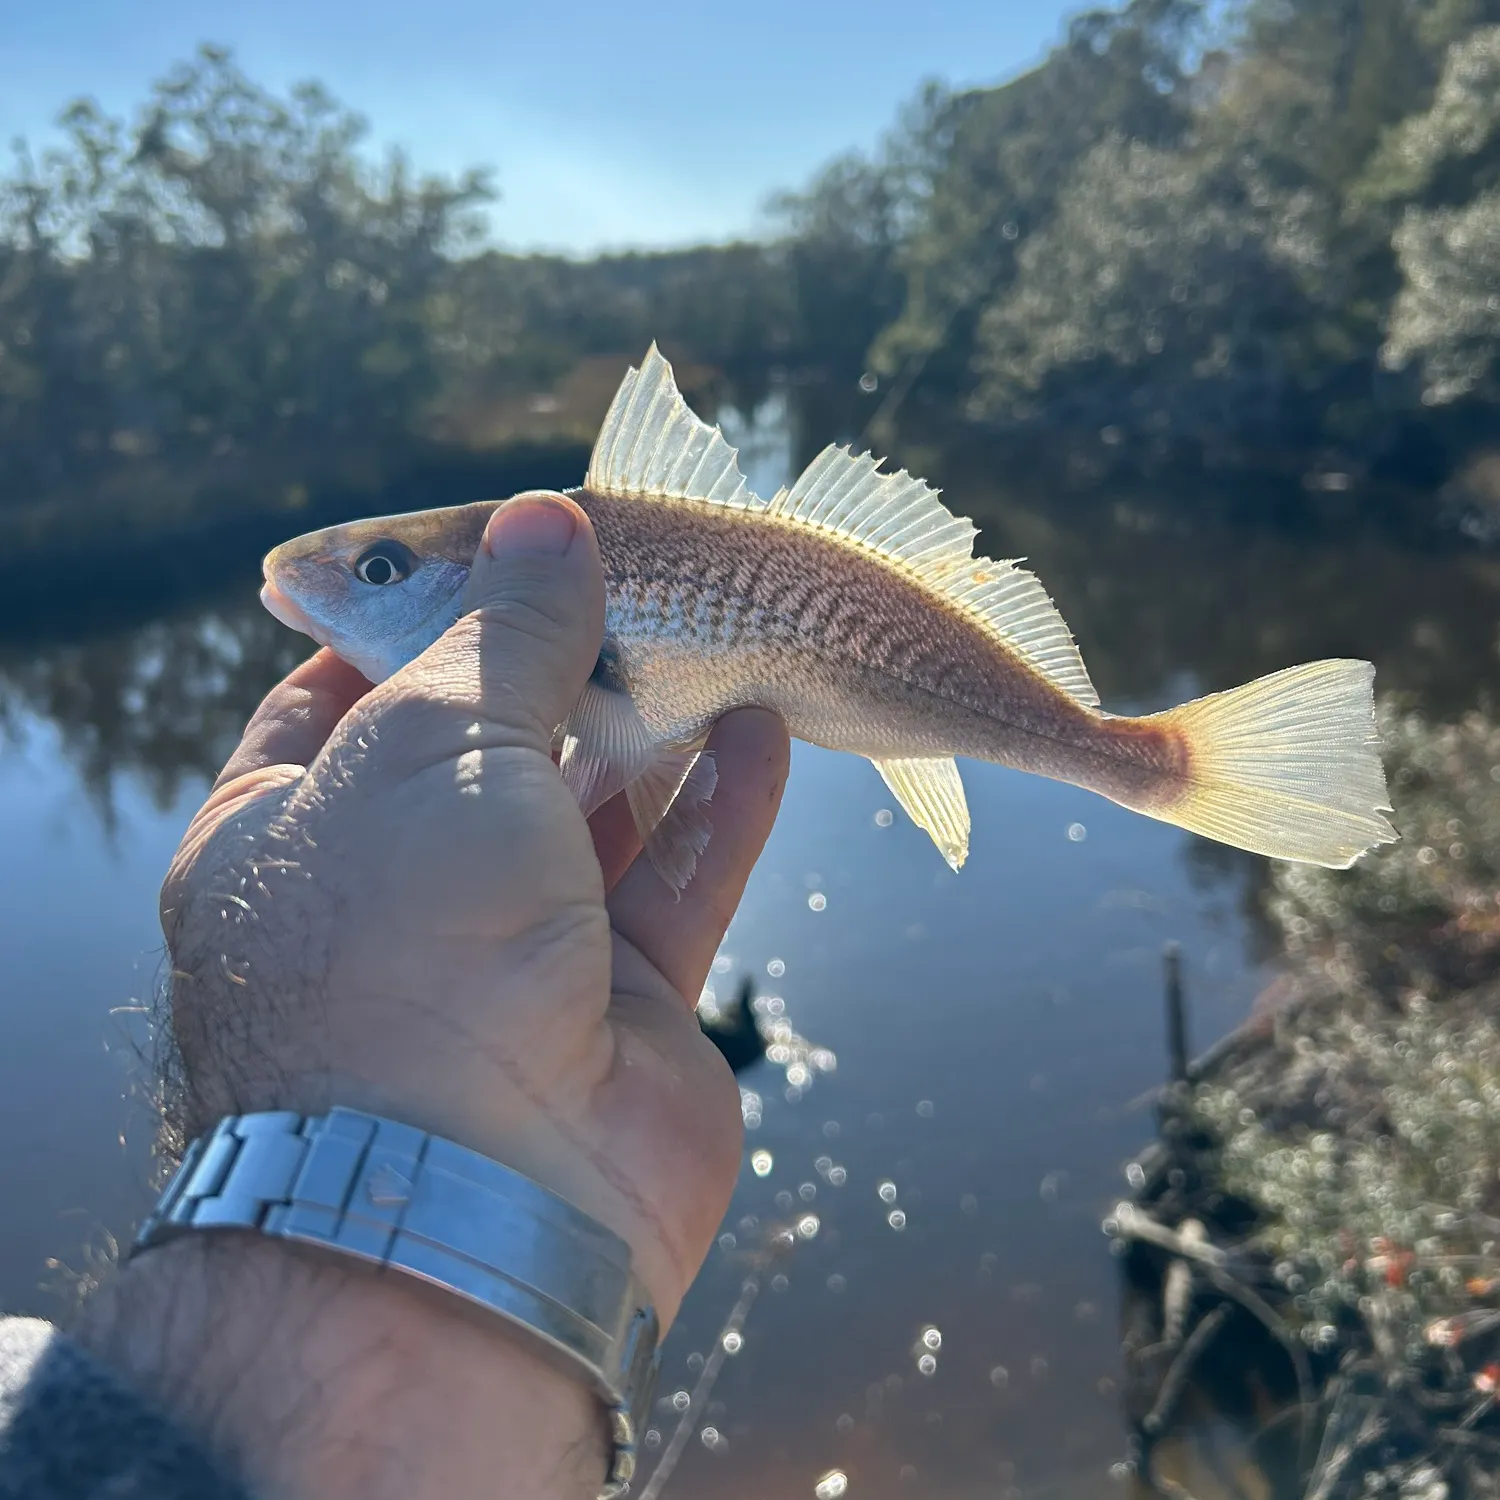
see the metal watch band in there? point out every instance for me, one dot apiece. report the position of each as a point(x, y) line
point(396, 1197)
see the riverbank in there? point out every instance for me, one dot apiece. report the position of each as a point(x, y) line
point(1312, 1243)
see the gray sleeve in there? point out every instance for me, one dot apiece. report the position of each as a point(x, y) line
point(70, 1430)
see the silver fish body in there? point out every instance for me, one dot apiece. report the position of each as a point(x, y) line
point(850, 604)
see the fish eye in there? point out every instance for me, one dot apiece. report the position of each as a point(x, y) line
point(385, 562)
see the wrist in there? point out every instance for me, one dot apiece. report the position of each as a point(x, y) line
point(316, 1377)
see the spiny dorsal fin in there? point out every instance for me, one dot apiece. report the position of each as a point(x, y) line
point(903, 520)
point(652, 444)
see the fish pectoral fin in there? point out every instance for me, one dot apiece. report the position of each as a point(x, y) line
point(607, 748)
point(605, 745)
point(668, 802)
point(932, 795)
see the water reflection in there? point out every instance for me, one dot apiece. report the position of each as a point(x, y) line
point(163, 703)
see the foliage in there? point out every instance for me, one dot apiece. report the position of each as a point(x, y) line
point(1435, 153)
point(1448, 314)
point(228, 274)
point(841, 238)
point(1447, 161)
point(982, 169)
point(1272, 227)
point(1192, 225)
point(1398, 1158)
point(1365, 1125)
point(1329, 1168)
point(1166, 285)
point(1420, 916)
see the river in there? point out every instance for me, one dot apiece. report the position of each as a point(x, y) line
point(944, 1320)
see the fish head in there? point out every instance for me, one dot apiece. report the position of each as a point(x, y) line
point(378, 593)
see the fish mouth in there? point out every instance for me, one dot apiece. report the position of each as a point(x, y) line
point(291, 614)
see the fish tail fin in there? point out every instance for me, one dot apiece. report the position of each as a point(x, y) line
point(1287, 766)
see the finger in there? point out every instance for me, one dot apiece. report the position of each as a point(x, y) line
point(511, 669)
point(617, 841)
point(537, 587)
point(296, 717)
point(680, 937)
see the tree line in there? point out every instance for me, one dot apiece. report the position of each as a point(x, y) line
point(1278, 224)
point(1225, 232)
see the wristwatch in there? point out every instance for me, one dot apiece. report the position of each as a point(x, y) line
point(388, 1194)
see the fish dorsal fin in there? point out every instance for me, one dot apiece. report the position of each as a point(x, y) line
point(652, 444)
point(903, 520)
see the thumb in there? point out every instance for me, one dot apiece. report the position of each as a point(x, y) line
point(535, 597)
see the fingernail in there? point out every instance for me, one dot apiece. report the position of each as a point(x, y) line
point(531, 523)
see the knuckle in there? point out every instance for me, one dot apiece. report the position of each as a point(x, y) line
point(564, 949)
point(541, 614)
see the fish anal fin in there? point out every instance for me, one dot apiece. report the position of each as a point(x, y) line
point(652, 444)
point(903, 520)
point(669, 802)
point(932, 795)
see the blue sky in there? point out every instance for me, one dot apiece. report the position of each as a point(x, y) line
point(607, 124)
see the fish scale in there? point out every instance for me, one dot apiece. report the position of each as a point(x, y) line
point(849, 603)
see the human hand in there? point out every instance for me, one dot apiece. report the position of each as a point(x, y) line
point(391, 901)
point(421, 924)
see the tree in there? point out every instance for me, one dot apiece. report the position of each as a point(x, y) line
point(1448, 313)
point(987, 167)
point(1446, 163)
point(840, 239)
point(227, 273)
point(1156, 299)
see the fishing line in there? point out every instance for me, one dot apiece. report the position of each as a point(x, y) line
point(734, 1324)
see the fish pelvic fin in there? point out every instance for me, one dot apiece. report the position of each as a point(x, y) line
point(607, 748)
point(1287, 766)
point(653, 445)
point(669, 802)
point(605, 745)
point(931, 793)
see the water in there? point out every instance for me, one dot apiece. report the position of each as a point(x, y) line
point(941, 1318)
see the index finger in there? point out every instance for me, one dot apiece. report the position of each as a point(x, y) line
point(296, 717)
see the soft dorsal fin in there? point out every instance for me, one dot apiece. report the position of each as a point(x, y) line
point(652, 444)
point(903, 520)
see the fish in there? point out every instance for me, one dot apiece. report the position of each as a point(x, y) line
point(851, 604)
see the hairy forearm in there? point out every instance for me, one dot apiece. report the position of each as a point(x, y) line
point(316, 1379)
